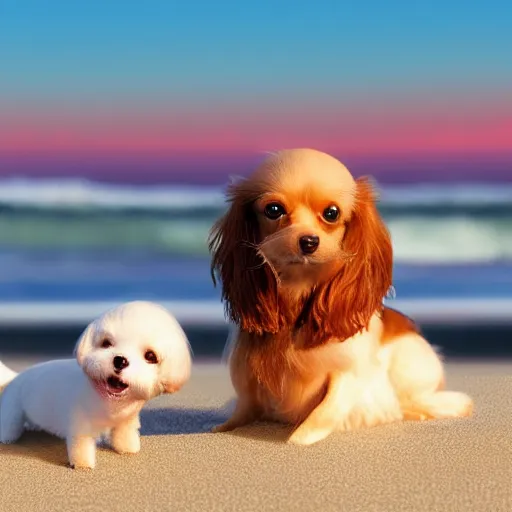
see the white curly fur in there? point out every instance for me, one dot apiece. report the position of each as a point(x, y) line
point(74, 398)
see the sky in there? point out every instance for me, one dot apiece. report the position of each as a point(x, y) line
point(179, 90)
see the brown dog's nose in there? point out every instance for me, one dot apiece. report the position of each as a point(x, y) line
point(309, 243)
point(120, 363)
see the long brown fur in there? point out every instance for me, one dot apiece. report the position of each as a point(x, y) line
point(338, 308)
point(395, 324)
point(315, 346)
point(249, 289)
point(343, 306)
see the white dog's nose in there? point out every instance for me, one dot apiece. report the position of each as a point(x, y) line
point(120, 363)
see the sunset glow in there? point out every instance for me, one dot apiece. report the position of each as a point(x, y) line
point(81, 90)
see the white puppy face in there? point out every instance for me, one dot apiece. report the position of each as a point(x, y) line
point(135, 352)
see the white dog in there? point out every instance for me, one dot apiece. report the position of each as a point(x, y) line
point(129, 355)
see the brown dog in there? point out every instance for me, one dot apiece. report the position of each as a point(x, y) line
point(305, 260)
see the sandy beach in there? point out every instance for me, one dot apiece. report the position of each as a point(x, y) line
point(451, 465)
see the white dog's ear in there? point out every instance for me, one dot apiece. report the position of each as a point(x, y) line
point(84, 344)
point(175, 368)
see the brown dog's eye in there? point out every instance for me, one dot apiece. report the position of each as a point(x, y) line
point(150, 357)
point(106, 343)
point(331, 213)
point(274, 210)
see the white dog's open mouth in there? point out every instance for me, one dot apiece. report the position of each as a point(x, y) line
point(112, 387)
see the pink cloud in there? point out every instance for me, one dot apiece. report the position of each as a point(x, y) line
point(368, 128)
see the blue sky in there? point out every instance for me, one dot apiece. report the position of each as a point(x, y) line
point(108, 79)
point(107, 49)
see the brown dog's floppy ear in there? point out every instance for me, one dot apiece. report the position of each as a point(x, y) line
point(249, 289)
point(344, 305)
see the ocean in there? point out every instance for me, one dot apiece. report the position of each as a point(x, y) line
point(75, 240)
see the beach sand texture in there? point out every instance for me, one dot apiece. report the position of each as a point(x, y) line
point(451, 465)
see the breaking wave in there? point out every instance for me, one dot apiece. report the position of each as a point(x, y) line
point(429, 223)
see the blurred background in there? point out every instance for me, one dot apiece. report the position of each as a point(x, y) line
point(121, 123)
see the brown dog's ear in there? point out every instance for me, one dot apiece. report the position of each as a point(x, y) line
point(249, 289)
point(344, 305)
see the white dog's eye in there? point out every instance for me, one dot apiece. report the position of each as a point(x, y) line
point(150, 357)
point(106, 343)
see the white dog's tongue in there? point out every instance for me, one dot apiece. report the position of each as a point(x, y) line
point(112, 387)
point(116, 385)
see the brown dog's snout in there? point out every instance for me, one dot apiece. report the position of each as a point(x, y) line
point(309, 243)
point(120, 363)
